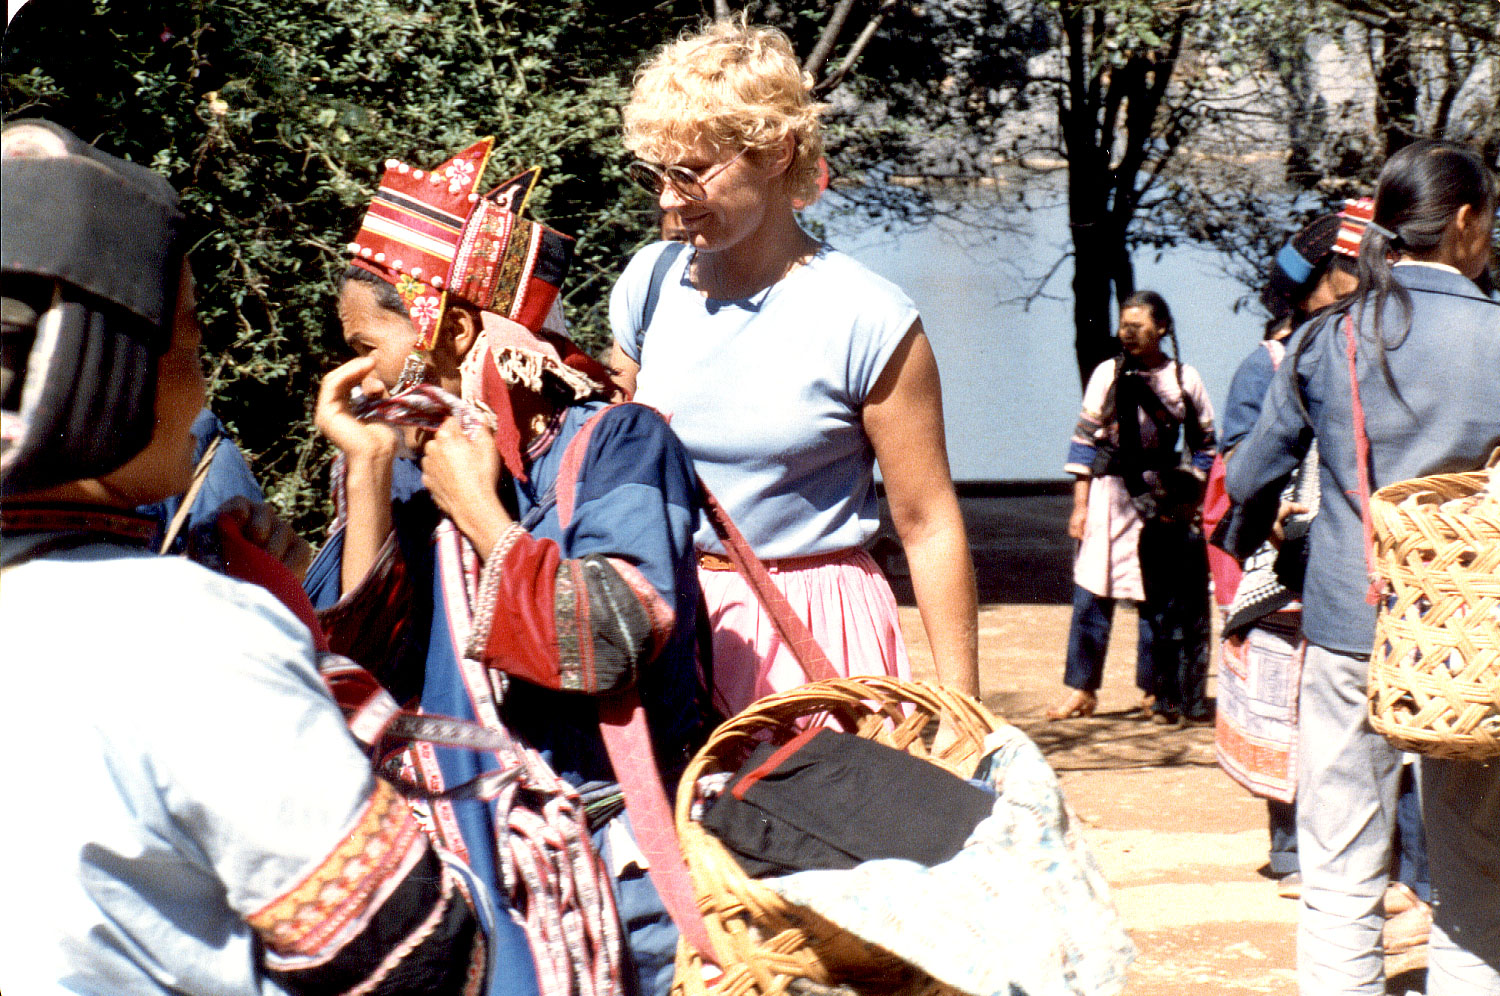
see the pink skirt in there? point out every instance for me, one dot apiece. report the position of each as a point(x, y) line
point(845, 601)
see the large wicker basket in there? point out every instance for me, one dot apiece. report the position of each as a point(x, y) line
point(1435, 668)
point(771, 947)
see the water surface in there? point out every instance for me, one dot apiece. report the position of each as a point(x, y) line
point(1010, 384)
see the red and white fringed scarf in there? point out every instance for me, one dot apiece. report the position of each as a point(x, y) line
point(550, 871)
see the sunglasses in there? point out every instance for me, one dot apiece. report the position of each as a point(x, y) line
point(689, 183)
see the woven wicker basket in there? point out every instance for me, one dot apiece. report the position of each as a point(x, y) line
point(1435, 669)
point(771, 947)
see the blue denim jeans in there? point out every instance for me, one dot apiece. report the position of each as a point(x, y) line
point(1411, 839)
point(1282, 817)
point(1088, 640)
point(1411, 845)
point(650, 934)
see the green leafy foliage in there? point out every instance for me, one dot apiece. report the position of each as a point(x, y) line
point(273, 117)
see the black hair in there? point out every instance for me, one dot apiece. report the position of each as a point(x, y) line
point(1161, 317)
point(385, 294)
point(1420, 190)
point(1153, 302)
point(1285, 297)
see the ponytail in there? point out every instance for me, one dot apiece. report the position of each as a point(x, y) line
point(1419, 192)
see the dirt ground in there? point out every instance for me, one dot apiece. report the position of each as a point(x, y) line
point(1179, 842)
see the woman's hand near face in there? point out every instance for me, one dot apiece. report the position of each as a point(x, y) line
point(334, 414)
point(463, 476)
point(369, 450)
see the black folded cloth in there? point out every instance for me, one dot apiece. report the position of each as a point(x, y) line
point(832, 800)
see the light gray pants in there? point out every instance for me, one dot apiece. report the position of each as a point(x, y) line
point(1461, 811)
point(1348, 779)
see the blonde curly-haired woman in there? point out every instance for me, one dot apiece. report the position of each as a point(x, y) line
point(788, 370)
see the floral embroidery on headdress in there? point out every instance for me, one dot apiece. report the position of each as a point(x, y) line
point(430, 235)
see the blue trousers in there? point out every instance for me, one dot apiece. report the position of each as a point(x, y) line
point(1088, 640)
point(1283, 821)
point(650, 934)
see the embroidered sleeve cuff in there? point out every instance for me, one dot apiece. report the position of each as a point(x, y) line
point(583, 625)
point(489, 590)
point(609, 620)
point(366, 624)
point(1080, 459)
point(379, 915)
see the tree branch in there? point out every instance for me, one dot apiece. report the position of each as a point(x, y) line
point(818, 57)
point(855, 50)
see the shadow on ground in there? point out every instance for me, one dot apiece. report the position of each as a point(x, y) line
point(1018, 537)
point(1117, 741)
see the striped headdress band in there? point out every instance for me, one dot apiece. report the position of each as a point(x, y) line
point(430, 234)
point(1357, 214)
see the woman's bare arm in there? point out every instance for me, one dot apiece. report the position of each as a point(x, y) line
point(903, 417)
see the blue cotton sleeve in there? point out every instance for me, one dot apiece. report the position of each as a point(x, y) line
point(1258, 468)
point(228, 473)
point(635, 503)
point(228, 476)
point(1247, 392)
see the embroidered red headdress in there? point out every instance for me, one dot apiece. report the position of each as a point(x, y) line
point(1352, 221)
point(430, 235)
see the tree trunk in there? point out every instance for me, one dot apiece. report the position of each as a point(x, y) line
point(1093, 341)
point(1395, 89)
point(1096, 245)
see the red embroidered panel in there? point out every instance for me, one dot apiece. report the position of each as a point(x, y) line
point(523, 636)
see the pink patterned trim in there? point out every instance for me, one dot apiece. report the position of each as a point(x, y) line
point(523, 284)
point(572, 465)
point(315, 917)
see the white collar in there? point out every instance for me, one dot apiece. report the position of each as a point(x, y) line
point(1423, 262)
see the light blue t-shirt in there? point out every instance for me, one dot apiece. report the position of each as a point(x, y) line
point(766, 392)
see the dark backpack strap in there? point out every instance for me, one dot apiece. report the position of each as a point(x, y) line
point(653, 289)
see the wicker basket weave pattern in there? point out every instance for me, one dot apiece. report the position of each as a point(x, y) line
point(770, 947)
point(1435, 666)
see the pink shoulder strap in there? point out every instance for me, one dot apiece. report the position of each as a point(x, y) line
point(622, 721)
point(627, 740)
point(1362, 465)
point(789, 626)
point(572, 464)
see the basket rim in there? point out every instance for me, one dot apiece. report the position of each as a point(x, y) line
point(883, 690)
